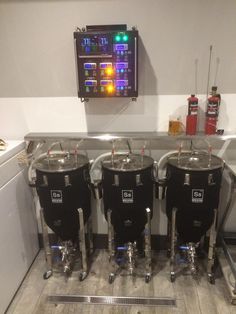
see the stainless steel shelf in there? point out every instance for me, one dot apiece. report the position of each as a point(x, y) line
point(124, 135)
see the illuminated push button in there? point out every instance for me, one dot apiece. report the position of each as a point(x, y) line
point(110, 89)
point(117, 38)
point(125, 37)
point(109, 71)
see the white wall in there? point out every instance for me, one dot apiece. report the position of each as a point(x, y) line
point(37, 52)
point(20, 116)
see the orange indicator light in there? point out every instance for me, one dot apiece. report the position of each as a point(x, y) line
point(110, 88)
point(109, 71)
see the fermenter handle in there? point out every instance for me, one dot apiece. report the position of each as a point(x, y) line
point(209, 150)
point(155, 171)
point(54, 144)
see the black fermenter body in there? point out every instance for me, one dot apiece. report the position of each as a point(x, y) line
point(62, 185)
point(127, 192)
point(193, 188)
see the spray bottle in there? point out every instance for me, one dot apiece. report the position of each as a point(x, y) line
point(212, 112)
point(191, 119)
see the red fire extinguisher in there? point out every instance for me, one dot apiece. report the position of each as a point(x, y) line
point(212, 112)
point(191, 119)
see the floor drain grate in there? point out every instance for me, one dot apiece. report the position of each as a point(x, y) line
point(111, 300)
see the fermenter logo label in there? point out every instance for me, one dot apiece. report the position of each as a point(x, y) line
point(197, 195)
point(127, 196)
point(56, 196)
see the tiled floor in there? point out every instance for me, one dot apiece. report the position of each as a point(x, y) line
point(192, 296)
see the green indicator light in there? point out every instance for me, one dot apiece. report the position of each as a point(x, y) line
point(125, 37)
point(117, 38)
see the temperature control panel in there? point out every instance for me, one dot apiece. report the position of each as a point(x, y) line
point(107, 61)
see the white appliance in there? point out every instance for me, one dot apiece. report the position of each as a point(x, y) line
point(18, 225)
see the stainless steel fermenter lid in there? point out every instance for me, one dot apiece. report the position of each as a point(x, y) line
point(60, 162)
point(196, 161)
point(127, 162)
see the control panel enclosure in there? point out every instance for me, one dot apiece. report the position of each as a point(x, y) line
point(107, 62)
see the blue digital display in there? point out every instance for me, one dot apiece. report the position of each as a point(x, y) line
point(105, 82)
point(121, 82)
point(120, 47)
point(122, 65)
point(95, 43)
point(89, 66)
point(105, 65)
point(86, 41)
point(103, 41)
point(90, 83)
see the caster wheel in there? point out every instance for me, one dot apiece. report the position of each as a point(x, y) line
point(111, 278)
point(172, 277)
point(47, 274)
point(211, 279)
point(147, 278)
point(82, 276)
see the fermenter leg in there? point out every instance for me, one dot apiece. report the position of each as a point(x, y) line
point(211, 250)
point(172, 248)
point(90, 235)
point(147, 236)
point(47, 248)
point(84, 271)
point(112, 241)
point(110, 235)
point(168, 238)
point(111, 251)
